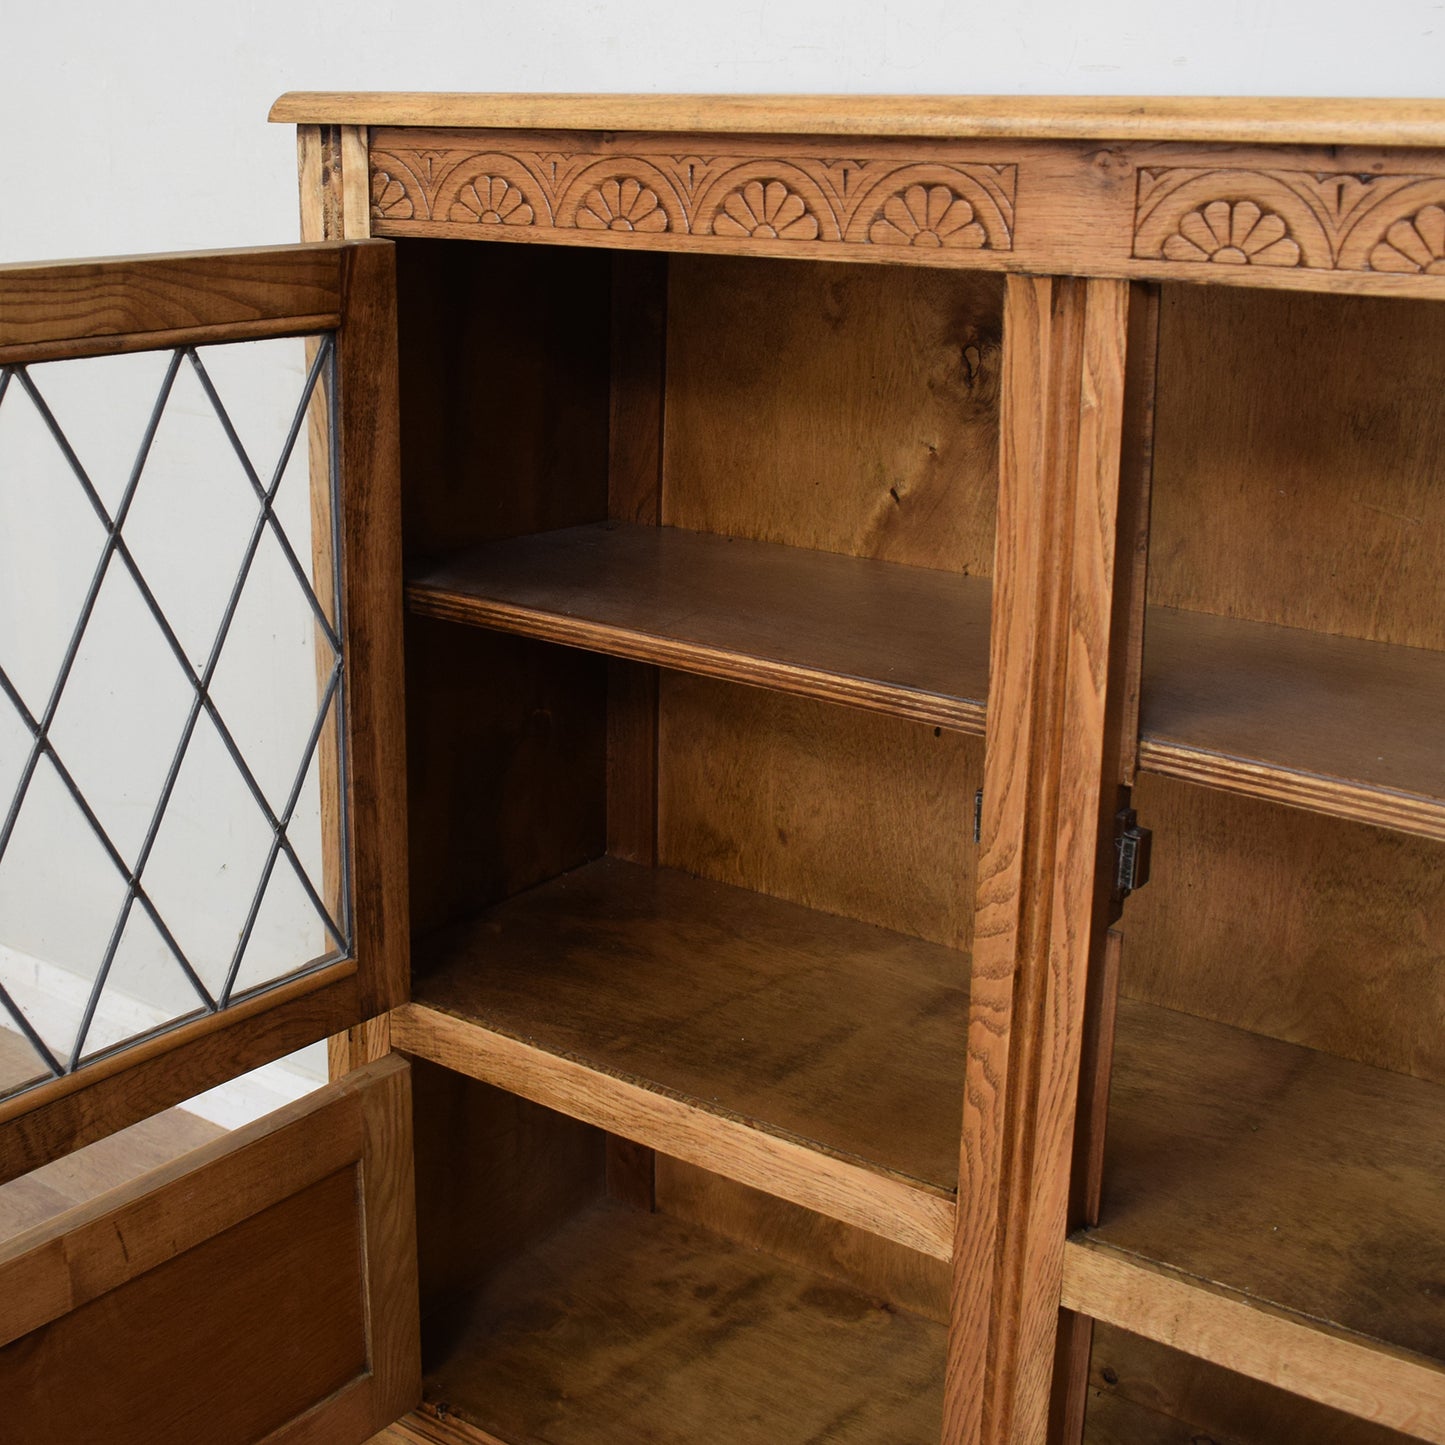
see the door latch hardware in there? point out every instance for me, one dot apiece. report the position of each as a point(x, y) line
point(1132, 846)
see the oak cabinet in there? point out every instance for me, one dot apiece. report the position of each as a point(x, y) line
point(918, 629)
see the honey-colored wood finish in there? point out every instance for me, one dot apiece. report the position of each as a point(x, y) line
point(841, 629)
point(283, 1253)
point(1047, 793)
point(1266, 120)
point(92, 308)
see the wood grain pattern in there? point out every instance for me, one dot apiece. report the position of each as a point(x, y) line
point(800, 1173)
point(1254, 119)
point(370, 535)
point(1396, 1391)
point(1333, 935)
point(1297, 463)
point(845, 812)
point(842, 629)
point(86, 307)
point(1281, 1173)
point(626, 1326)
point(1333, 724)
point(841, 408)
point(1046, 794)
point(878, 1267)
point(815, 1027)
point(1144, 1393)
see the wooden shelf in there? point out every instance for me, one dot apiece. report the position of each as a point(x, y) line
point(1276, 1210)
point(807, 1055)
point(1334, 724)
point(625, 1326)
point(908, 641)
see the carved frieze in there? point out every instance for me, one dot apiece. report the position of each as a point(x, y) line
point(888, 203)
point(1322, 220)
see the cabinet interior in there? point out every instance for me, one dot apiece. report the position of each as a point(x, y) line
point(692, 771)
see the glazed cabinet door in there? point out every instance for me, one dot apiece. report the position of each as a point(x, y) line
point(202, 829)
point(260, 1288)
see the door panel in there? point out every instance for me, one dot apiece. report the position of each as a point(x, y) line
point(261, 1287)
point(161, 934)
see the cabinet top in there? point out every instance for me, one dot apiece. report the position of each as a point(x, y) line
point(1225, 120)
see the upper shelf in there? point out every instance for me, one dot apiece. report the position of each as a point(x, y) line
point(907, 641)
point(1265, 120)
point(1334, 724)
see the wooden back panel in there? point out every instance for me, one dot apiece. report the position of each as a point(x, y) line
point(1299, 465)
point(784, 421)
point(847, 812)
point(1321, 932)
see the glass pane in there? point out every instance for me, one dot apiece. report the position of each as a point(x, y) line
point(171, 828)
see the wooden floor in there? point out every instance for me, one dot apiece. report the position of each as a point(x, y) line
point(625, 1327)
point(40, 1195)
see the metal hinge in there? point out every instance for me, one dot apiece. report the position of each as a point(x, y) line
point(978, 816)
point(1132, 845)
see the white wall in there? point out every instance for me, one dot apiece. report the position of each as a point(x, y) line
point(134, 127)
point(138, 127)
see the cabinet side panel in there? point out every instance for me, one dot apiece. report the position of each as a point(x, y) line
point(1298, 463)
point(1313, 930)
point(494, 1175)
point(848, 812)
point(506, 758)
point(846, 408)
point(504, 391)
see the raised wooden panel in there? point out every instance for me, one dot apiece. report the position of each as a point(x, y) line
point(263, 1285)
point(846, 812)
point(837, 408)
point(1298, 475)
point(1321, 932)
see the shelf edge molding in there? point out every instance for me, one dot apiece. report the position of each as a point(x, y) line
point(1370, 1381)
point(882, 1204)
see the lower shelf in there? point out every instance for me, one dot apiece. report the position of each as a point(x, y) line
point(1276, 1210)
point(625, 1327)
point(811, 1056)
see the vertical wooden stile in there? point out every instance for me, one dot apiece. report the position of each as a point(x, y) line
point(331, 161)
point(1050, 793)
